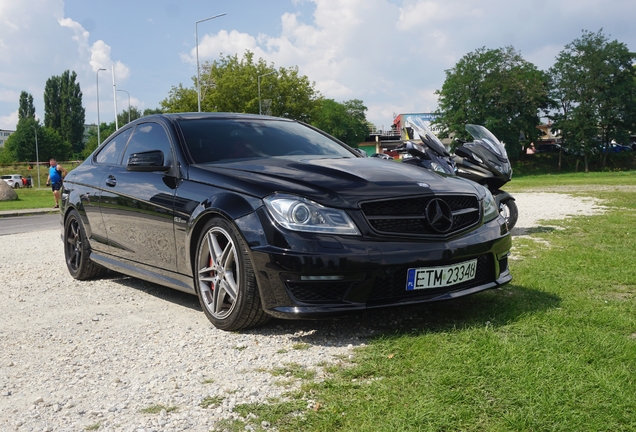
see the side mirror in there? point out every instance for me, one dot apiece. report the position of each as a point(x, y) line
point(463, 152)
point(361, 152)
point(146, 162)
point(413, 149)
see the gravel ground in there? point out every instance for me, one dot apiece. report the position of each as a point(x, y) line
point(74, 355)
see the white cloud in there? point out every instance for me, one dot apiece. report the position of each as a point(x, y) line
point(223, 42)
point(9, 95)
point(391, 54)
point(81, 35)
point(100, 58)
point(122, 101)
point(348, 48)
point(37, 42)
point(9, 121)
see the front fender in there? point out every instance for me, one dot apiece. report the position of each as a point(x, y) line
point(230, 206)
point(501, 196)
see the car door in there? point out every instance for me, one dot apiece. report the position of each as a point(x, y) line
point(137, 207)
point(87, 180)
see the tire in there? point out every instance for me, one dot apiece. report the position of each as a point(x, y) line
point(224, 278)
point(77, 250)
point(508, 209)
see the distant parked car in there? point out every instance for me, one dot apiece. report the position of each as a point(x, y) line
point(381, 156)
point(617, 148)
point(547, 148)
point(13, 180)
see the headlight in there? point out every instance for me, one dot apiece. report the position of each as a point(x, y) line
point(491, 211)
point(437, 167)
point(300, 214)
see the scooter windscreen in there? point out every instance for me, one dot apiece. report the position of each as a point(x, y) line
point(428, 138)
point(489, 141)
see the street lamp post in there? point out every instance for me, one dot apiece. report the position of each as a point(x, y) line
point(128, 102)
point(97, 79)
point(259, 89)
point(196, 32)
point(37, 154)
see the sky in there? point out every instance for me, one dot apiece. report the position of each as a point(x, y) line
point(391, 54)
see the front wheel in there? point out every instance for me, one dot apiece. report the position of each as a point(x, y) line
point(508, 209)
point(225, 280)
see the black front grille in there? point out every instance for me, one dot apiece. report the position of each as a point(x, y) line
point(318, 292)
point(407, 216)
point(390, 283)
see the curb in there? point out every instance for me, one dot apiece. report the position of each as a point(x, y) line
point(27, 212)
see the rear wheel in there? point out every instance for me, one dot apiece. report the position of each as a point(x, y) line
point(225, 280)
point(77, 250)
point(508, 209)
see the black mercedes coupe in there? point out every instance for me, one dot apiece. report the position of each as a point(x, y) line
point(262, 216)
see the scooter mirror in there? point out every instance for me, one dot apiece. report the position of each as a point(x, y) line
point(463, 152)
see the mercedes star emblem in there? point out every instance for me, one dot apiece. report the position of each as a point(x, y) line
point(439, 215)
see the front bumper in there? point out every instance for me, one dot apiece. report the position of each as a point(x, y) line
point(310, 276)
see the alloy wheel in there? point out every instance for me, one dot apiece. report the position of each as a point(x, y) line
point(219, 273)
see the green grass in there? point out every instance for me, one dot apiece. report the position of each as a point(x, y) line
point(554, 350)
point(588, 181)
point(301, 346)
point(293, 370)
point(211, 401)
point(30, 198)
point(35, 197)
point(156, 409)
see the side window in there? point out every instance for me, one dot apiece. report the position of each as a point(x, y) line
point(147, 137)
point(111, 152)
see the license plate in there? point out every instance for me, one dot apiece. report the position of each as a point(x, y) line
point(440, 277)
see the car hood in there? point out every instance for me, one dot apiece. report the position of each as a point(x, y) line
point(334, 182)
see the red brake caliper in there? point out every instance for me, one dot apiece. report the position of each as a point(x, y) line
point(211, 273)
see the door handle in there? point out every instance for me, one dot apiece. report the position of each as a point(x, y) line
point(111, 181)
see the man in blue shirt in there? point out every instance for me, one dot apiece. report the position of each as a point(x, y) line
point(55, 180)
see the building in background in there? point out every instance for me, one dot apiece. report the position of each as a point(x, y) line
point(380, 141)
point(4, 134)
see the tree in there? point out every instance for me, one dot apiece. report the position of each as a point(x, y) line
point(151, 111)
point(345, 121)
point(122, 117)
point(105, 130)
point(63, 110)
point(180, 99)
point(593, 81)
point(20, 146)
point(231, 84)
point(26, 109)
point(496, 88)
point(293, 96)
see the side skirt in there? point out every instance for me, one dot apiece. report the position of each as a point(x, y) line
point(161, 277)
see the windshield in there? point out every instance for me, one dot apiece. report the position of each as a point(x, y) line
point(428, 138)
point(227, 140)
point(486, 137)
